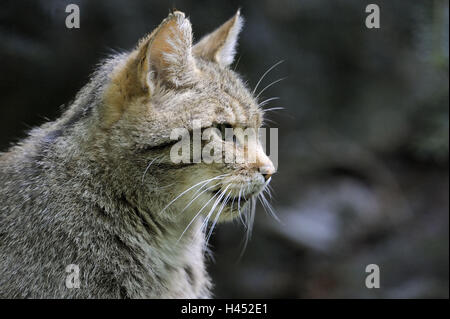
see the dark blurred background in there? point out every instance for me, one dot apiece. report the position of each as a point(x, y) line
point(363, 140)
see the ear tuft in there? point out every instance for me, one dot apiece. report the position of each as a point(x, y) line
point(220, 45)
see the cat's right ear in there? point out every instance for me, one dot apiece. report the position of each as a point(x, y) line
point(220, 45)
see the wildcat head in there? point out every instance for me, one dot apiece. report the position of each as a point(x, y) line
point(168, 83)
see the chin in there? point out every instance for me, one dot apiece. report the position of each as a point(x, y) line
point(233, 207)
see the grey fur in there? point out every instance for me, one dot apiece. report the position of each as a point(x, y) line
point(75, 191)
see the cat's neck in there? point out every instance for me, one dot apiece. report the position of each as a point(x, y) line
point(170, 251)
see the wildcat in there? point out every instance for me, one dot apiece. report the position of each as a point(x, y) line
point(96, 188)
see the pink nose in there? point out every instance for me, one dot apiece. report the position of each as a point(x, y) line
point(267, 171)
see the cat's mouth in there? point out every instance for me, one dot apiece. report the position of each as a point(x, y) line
point(233, 199)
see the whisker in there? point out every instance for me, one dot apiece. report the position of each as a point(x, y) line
point(222, 194)
point(265, 73)
point(239, 206)
point(198, 196)
point(196, 215)
point(217, 217)
point(237, 63)
point(246, 215)
point(269, 121)
point(273, 109)
point(269, 191)
point(232, 203)
point(268, 86)
point(252, 216)
point(148, 166)
point(250, 222)
point(267, 207)
point(187, 190)
point(268, 100)
point(166, 186)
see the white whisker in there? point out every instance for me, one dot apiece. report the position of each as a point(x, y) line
point(265, 73)
point(268, 86)
point(267, 207)
point(187, 190)
point(148, 166)
point(273, 109)
point(237, 63)
point(196, 215)
point(250, 220)
point(205, 190)
point(217, 218)
point(222, 194)
point(232, 203)
point(268, 100)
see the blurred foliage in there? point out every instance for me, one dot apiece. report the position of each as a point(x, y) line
point(364, 137)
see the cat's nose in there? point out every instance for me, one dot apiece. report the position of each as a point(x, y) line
point(267, 171)
point(263, 163)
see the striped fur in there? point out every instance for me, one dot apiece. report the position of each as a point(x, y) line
point(81, 190)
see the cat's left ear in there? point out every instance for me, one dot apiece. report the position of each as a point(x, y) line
point(220, 45)
point(166, 54)
point(163, 57)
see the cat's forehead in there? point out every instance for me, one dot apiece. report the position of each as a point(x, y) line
point(226, 81)
point(224, 76)
point(227, 87)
